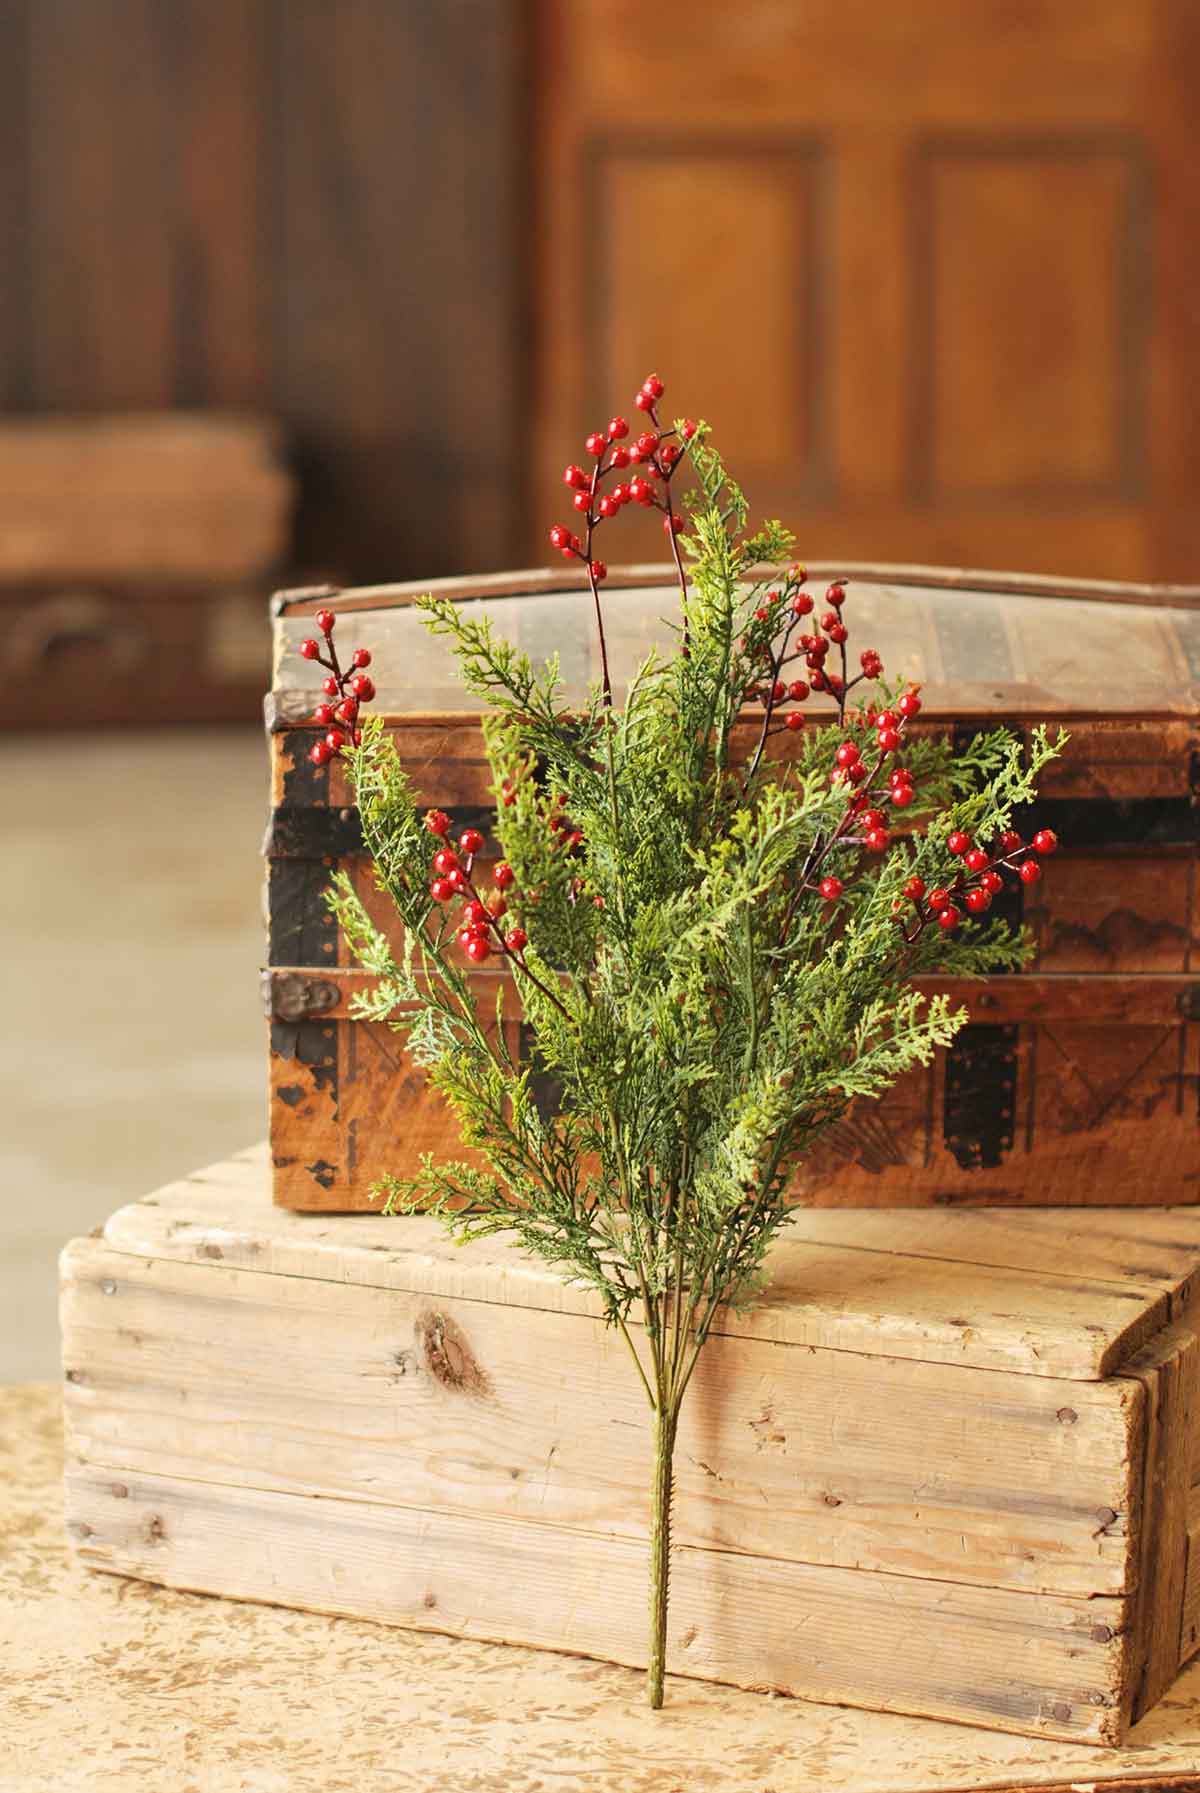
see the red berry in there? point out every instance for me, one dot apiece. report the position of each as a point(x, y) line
point(957, 842)
point(330, 686)
point(871, 664)
point(516, 940)
point(574, 476)
point(323, 714)
point(596, 444)
point(886, 719)
point(1029, 871)
point(939, 899)
point(802, 604)
point(362, 687)
point(619, 457)
point(325, 620)
point(361, 657)
point(582, 500)
point(778, 690)
point(644, 402)
point(818, 681)
point(474, 915)
point(992, 882)
point(320, 752)
point(560, 535)
point(335, 739)
point(347, 710)
point(1010, 842)
point(599, 571)
point(836, 595)
point(909, 704)
point(309, 649)
point(639, 490)
point(617, 428)
point(456, 878)
point(873, 819)
point(470, 840)
point(763, 615)
point(794, 720)
point(888, 740)
point(914, 890)
point(838, 633)
point(847, 754)
point(668, 455)
point(647, 442)
point(798, 691)
point(1045, 841)
point(608, 505)
point(875, 840)
point(979, 901)
point(437, 822)
point(976, 860)
point(857, 772)
point(504, 876)
point(831, 889)
point(687, 429)
point(949, 919)
point(445, 860)
point(673, 524)
point(440, 890)
point(478, 949)
point(653, 385)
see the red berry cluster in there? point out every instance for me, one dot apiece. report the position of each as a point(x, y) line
point(350, 688)
point(981, 878)
point(657, 453)
point(784, 609)
point(482, 929)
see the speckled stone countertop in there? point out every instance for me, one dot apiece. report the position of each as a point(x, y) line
point(110, 1684)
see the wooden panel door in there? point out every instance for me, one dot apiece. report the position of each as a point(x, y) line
point(930, 270)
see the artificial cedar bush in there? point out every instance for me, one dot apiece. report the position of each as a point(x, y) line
point(715, 955)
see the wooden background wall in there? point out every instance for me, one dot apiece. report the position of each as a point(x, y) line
point(932, 268)
point(306, 207)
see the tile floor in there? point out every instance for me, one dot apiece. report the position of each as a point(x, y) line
point(134, 1050)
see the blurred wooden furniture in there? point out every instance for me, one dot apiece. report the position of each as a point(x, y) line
point(1079, 1080)
point(929, 270)
point(111, 1684)
point(136, 556)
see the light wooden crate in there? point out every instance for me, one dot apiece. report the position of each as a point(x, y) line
point(947, 1466)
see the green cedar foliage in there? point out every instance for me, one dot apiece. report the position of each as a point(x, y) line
point(704, 1011)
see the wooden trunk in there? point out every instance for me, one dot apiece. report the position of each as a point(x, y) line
point(949, 1465)
point(135, 556)
point(1077, 1081)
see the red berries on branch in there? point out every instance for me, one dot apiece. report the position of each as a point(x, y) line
point(351, 687)
point(657, 451)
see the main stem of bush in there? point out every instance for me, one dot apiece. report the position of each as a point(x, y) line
point(665, 1421)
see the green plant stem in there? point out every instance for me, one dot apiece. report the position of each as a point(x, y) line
point(665, 1421)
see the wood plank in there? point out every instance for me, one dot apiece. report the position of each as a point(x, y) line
point(380, 190)
point(1019, 677)
point(895, 1304)
point(100, 1651)
point(1102, 999)
point(833, 1635)
point(1169, 1371)
point(959, 1475)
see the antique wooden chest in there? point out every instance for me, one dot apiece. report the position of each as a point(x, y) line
point(1078, 1081)
point(948, 1464)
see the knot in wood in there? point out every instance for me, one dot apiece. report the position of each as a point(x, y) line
point(448, 1357)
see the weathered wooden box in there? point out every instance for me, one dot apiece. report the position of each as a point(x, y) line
point(949, 1465)
point(136, 553)
point(1078, 1081)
